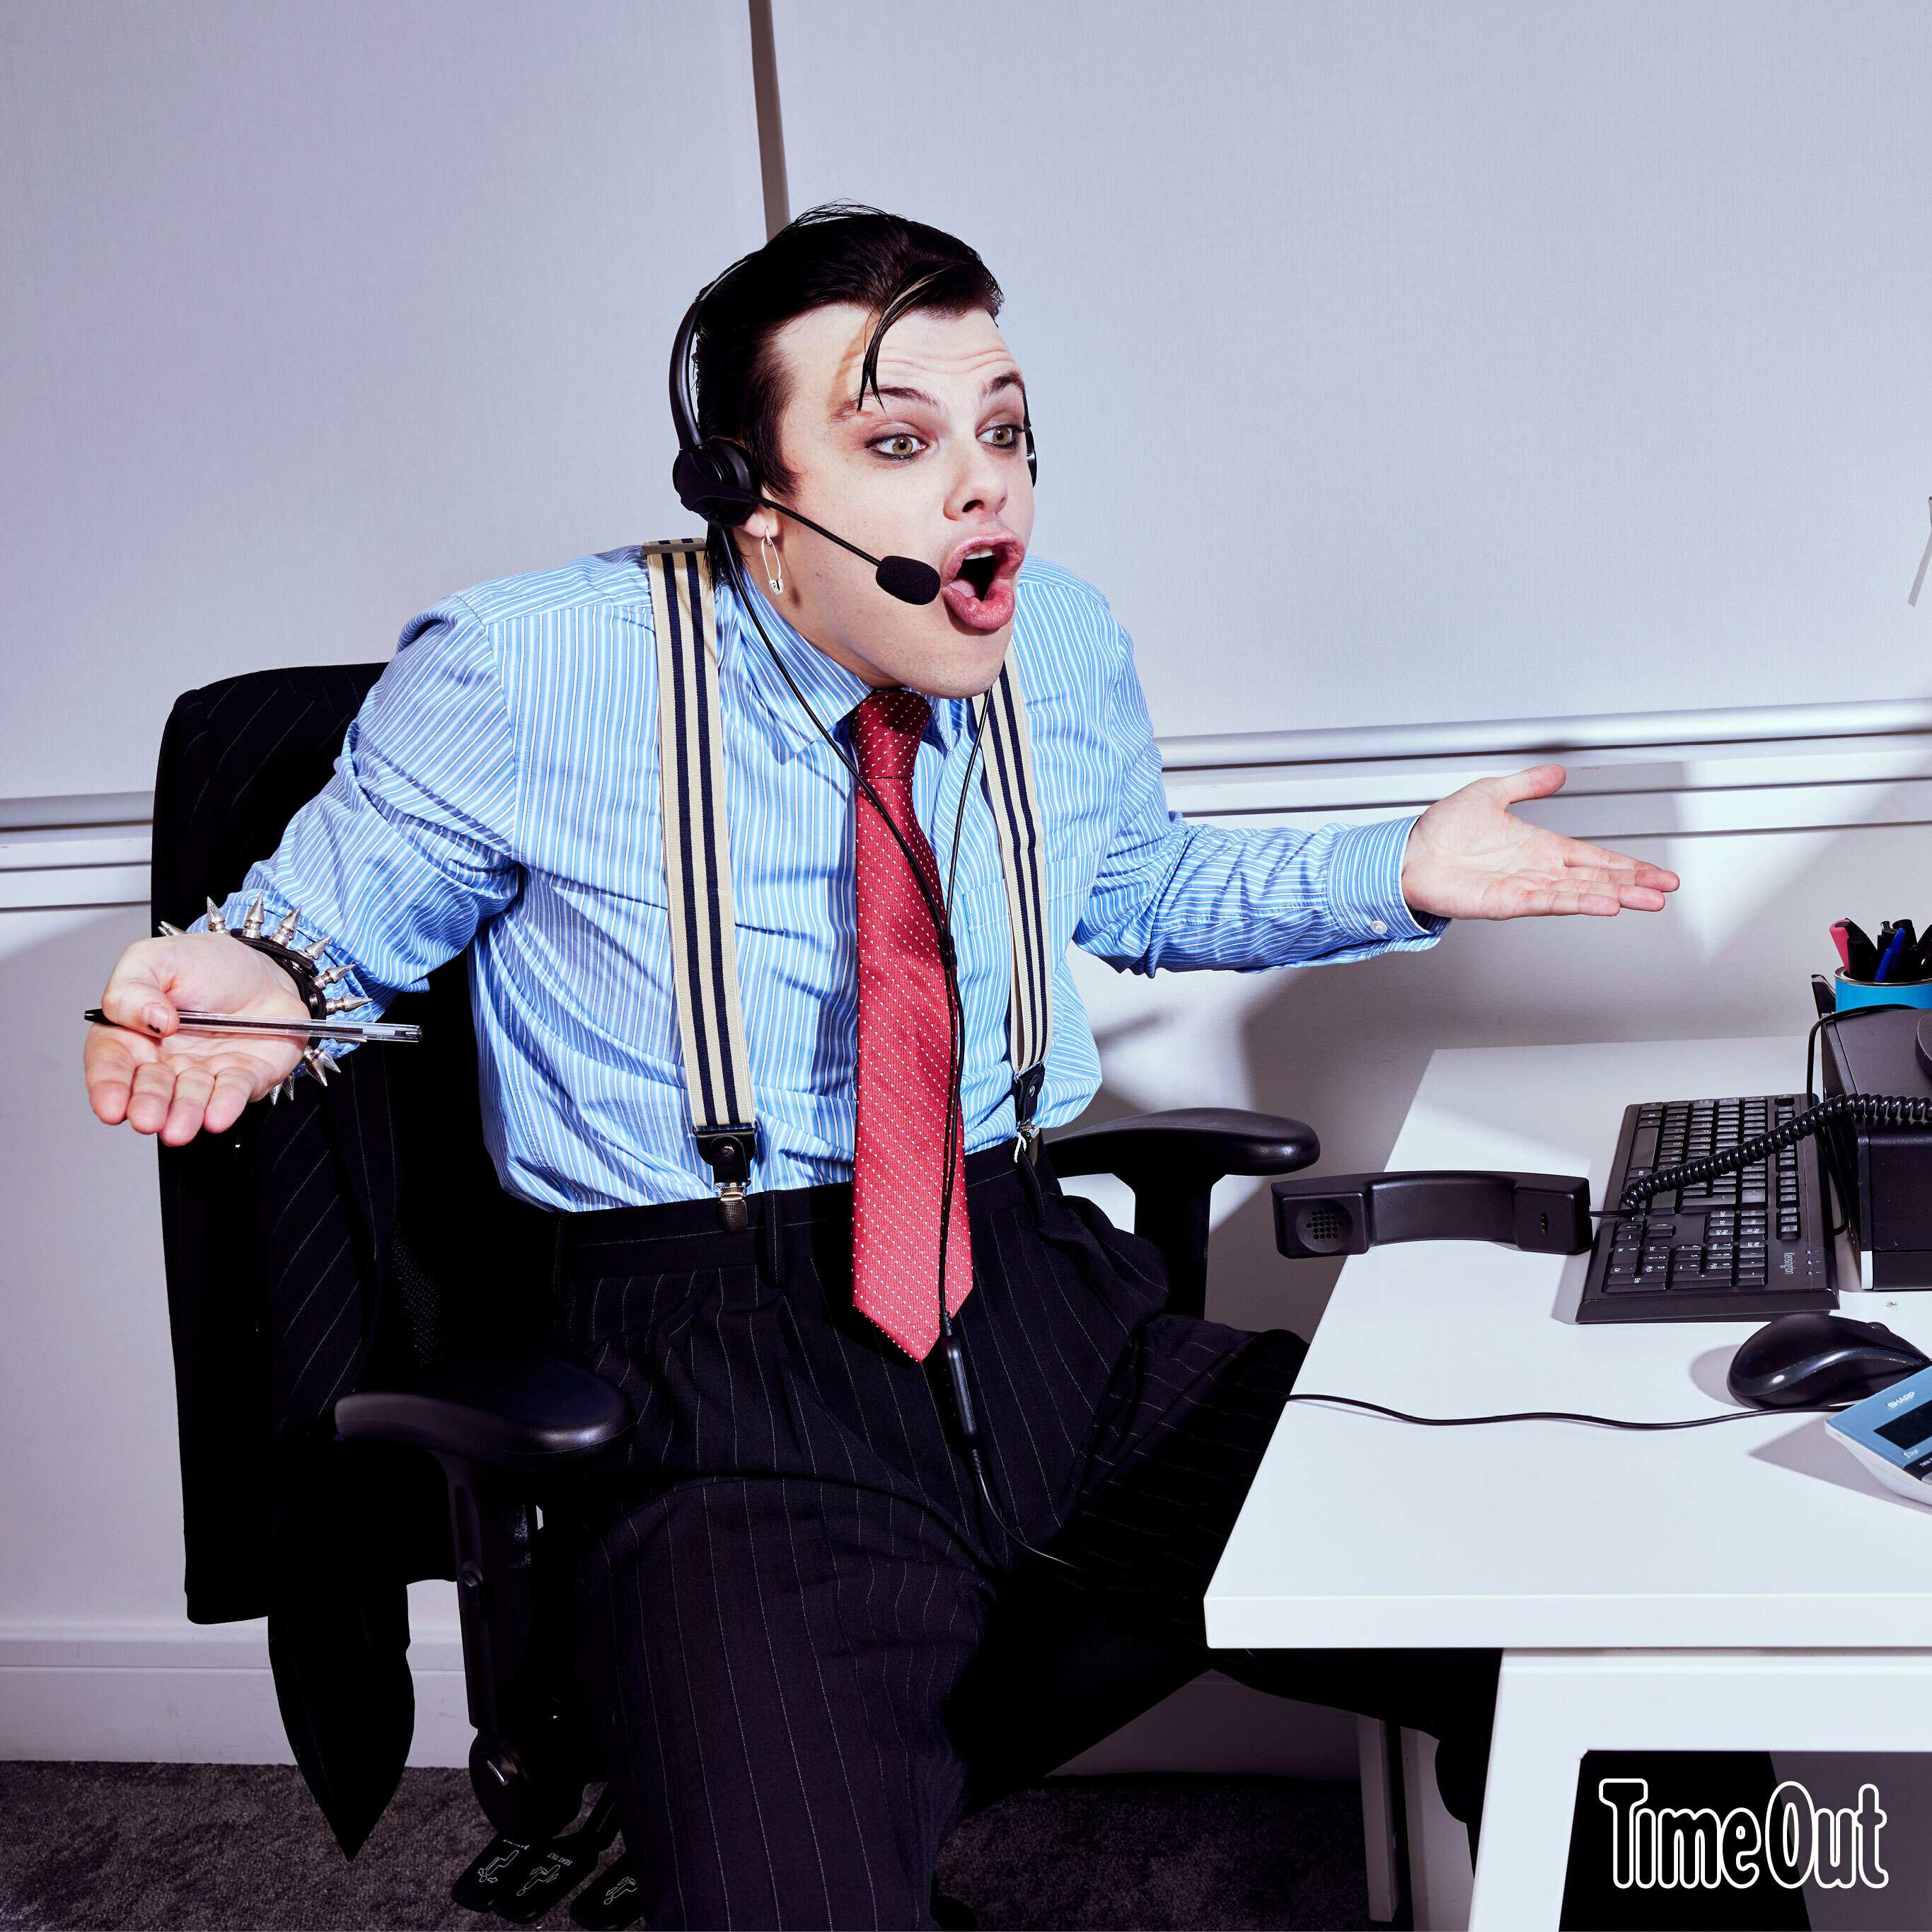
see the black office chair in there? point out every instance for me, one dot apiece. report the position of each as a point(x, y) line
point(418, 1332)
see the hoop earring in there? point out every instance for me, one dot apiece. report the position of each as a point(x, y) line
point(774, 572)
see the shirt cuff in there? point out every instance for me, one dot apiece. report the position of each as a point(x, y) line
point(1365, 899)
point(348, 985)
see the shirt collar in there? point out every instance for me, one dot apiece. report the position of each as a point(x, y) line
point(831, 690)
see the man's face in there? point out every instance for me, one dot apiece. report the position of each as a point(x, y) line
point(932, 467)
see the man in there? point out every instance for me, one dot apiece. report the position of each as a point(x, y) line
point(810, 1638)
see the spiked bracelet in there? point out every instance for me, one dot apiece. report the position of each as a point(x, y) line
point(302, 964)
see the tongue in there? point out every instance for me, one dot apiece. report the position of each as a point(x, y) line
point(981, 614)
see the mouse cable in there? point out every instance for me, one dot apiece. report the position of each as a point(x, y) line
point(1568, 1415)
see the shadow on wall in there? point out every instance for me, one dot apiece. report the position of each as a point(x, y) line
point(1344, 1048)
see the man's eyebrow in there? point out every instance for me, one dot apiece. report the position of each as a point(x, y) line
point(899, 392)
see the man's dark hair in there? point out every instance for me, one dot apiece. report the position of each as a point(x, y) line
point(840, 252)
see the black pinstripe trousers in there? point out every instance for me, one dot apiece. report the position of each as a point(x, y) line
point(809, 1648)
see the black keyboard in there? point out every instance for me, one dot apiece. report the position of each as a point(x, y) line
point(1743, 1246)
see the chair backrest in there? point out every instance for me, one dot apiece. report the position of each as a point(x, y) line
point(346, 1238)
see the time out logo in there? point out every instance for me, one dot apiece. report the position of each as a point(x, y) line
point(1794, 1841)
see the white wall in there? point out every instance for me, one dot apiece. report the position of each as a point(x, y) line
point(308, 344)
point(1393, 362)
point(317, 311)
point(314, 312)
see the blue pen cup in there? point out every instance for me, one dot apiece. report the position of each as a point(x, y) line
point(1850, 992)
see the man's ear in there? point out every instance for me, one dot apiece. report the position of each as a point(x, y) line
point(761, 523)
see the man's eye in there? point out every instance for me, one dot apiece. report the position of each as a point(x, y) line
point(1002, 435)
point(900, 446)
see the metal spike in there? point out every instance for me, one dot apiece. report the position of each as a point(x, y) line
point(274, 1092)
point(167, 931)
point(285, 932)
point(216, 923)
point(329, 975)
point(342, 1006)
point(314, 949)
point(251, 926)
point(325, 1059)
point(312, 1060)
point(289, 1088)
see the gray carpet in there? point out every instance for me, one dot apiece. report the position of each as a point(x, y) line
point(177, 1847)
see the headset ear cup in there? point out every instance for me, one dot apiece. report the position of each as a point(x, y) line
point(1033, 453)
point(716, 481)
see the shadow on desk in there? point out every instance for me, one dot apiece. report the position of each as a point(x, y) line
point(1570, 1289)
point(1807, 1450)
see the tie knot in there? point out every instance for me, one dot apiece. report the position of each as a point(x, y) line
point(886, 731)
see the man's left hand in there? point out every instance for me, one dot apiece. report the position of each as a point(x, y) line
point(1469, 857)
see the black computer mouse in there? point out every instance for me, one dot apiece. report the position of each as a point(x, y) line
point(1803, 1359)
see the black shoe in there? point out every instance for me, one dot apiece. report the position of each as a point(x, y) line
point(502, 1862)
point(611, 1900)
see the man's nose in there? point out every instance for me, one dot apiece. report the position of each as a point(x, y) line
point(979, 489)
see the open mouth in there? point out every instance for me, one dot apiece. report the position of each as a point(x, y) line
point(979, 581)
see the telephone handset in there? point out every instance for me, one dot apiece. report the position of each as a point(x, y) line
point(1350, 1213)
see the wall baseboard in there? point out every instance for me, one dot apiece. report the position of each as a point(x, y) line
point(187, 1696)
point(184, 1695)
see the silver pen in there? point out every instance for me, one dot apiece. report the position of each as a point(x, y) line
point(344, 1033)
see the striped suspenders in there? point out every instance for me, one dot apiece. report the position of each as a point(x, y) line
point(697, 867)
point(1007, 752)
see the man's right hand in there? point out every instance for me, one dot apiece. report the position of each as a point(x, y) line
point(141, 1070)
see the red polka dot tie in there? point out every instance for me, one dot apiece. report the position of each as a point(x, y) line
point(904, 1037)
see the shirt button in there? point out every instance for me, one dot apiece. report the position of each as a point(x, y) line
point(1378, 926)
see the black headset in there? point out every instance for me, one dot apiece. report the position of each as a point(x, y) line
point(714, 477)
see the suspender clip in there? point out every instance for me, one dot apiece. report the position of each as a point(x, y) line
point(734, 1211)
point(1026, 1099)
point(728, 1151)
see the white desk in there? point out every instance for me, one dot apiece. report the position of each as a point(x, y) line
point(1658, 1592)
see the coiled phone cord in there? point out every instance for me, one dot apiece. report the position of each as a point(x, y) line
point(1871, 1110)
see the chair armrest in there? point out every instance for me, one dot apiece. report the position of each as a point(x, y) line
point(522, 1413)
point(1191, 1141)
point(1172, 1161)
point(1350, 1213)
point(496, 1423)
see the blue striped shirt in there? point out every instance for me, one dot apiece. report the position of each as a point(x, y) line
point(499, 789)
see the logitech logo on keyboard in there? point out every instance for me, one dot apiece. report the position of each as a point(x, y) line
point(1795, 1841)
